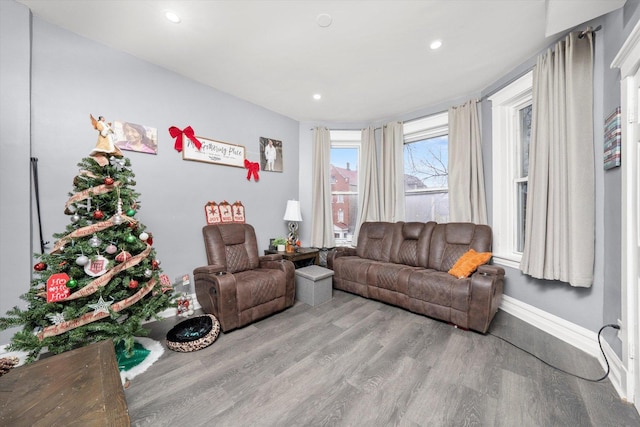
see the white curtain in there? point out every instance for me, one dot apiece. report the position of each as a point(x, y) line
point(321, 218)
point(368, 190)
point(392, 173)
point(560, 212)
point(467, 200)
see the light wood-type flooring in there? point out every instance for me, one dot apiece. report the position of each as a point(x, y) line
point(358, 362)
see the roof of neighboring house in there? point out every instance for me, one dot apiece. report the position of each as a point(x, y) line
point(350, 175)
point(412, 181)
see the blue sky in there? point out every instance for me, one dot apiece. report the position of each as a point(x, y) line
point(424, 151)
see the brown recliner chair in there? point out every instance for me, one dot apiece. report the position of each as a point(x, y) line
point(239, 286)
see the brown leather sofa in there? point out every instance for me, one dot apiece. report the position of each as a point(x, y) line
point(407, 264)
point(238, 286)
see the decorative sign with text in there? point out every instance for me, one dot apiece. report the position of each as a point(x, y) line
point(213, 151)
point(57, 289)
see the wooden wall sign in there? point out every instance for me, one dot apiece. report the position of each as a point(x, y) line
point(212, 151)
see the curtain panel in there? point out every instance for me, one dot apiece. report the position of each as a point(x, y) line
point(368, 189)
point(560, 212)
point(322, 216)
point(467, 200)
point(392, 173)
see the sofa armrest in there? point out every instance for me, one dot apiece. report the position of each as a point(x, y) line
point(487, 285)
point(216, 293)
point(338, 252)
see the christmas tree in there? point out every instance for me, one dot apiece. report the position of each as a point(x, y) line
point(101, 280)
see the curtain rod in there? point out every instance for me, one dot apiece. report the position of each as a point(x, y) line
point(348, 130)
point(589, 30)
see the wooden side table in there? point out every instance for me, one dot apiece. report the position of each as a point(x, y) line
point(302, 257)
point(77, 387)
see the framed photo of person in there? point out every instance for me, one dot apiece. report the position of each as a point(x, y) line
point(270, 155)
point(135, 137)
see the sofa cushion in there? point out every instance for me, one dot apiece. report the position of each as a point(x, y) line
point(374, 240)
point(350, 274)
point(410, 245)
point(468, 263)
point(450, 241)
point(440, 288)
point(255, 288)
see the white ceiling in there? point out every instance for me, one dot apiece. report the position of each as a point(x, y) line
point(373, 62)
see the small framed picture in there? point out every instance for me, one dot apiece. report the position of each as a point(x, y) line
point(135, 137)
point(270, 155)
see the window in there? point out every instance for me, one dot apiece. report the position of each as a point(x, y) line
point(426, 170)
point(511, 122)
point(345, 154)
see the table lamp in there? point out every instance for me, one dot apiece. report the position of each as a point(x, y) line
point(293, 215)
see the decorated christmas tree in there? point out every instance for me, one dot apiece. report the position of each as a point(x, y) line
point(101, 279)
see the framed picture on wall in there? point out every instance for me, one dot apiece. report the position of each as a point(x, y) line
point(135, 137)
point(270, 155)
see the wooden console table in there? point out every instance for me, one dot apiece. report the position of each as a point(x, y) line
point(80, 387)
point(302, 257)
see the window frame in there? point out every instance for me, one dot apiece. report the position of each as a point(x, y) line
point(506, 104)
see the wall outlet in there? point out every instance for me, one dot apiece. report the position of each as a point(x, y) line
point(620, 330)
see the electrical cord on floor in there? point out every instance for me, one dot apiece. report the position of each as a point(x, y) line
point(611, 325)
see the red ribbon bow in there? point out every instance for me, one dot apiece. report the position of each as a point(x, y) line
point(253, 168)
point(188, 132)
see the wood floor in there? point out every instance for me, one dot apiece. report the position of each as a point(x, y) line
point(357, 362)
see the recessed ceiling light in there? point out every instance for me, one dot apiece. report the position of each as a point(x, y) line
point(317, 96)
point(435, 44)
point(172, 16)
point(324, 20)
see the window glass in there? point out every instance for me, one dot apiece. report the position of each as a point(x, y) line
point(524, 138)
point(426, 169)
point(345, 151)
point(511, 127)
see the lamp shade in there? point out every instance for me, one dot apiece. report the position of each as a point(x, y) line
point(293, 211)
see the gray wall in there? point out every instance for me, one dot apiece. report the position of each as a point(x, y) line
point(71, 77)
point(15, 230)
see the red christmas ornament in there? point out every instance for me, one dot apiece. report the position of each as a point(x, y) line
point(98, 214)
point(123, 256)
point(109, 181)
point(133, 284)
point(149, 239)
point(41, 266)
point(155, 264)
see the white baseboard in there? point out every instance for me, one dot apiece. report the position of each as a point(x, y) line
point(579, 337)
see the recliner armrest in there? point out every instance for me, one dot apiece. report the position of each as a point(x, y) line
point(216, 293)
point(270, 257)
point(487, 285)
point(209, 269)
